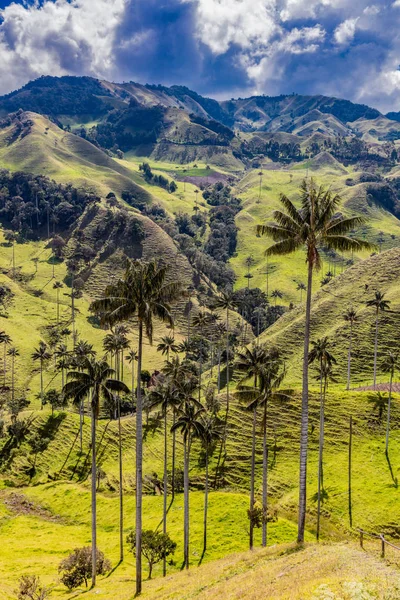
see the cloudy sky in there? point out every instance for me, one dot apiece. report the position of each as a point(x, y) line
point(221, 48)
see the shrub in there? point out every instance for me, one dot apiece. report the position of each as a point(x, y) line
point(155, 546)
point(30, 588)
point(77, 567)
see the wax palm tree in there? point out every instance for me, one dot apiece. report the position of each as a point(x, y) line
point(166, 397)
point(211, 432)
point(317, 224)
point(276, 294)
point(350, 316)
point(167, 345)
point(201, 321)
point(271, 378)
point(250, 363)
point(226, 302)
point(301, 287)
point(78, 356)
point(57, 286)
point(145, 294)
point(5, 340)
point(390, 365)
point(13, 352)
point(220, 332)
point(42, 355)
point(94, 380)
point(379, 303)
point(61, 353)
point(191, 426)
point(321, 354)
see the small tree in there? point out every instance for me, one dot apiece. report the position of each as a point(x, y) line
point(155, 546)
point(77, 567)
point(30, 588)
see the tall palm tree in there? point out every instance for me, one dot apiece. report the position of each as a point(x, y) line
point(276, 294)
point(96, 380)
point(271, 377)
point(57, 286)
point(42, 355)
point(250, 363)
point(379, 303)
point(191, 426)
point(350, 316)
point(211, 432)
point(390, 365)
point(61, 353)
point(317, 223)
point(301, 287)
point(321, 354)
point(201, 321)
point(13, 352)
point(5, 339)
point(166, 396)
point(167, 345)
point(145, 294)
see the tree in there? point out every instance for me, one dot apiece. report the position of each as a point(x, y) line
point(55, 399)
point(13, 352)
point(200, 321)
point(57, 286)
point(321, 354)
point(351, 317)
point(11, 237)
point(6, 340)
point(30, 588)
point(167, 345)
point(271, 378)
point(191, 426)
point(379, 304)
point(211, 432)
point(276, 294)
point(132, 356)
point(250, 363)
point(145, 294)
point(390, 365)
point(301, 287)
point(165, 396)
point(316, 224)
point(156, 546)
point(83, 564)
point(42, 355)
point(95, 380)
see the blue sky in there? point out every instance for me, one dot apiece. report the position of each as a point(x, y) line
point(221, 48)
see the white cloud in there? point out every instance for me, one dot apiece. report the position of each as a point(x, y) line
point(345, 32)
point(57, 38)
point(303, 9)
point(245, 23)
point(371, 11)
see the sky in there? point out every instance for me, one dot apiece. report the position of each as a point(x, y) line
point(220, 48)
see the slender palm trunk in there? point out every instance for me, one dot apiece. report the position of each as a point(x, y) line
point(81, 408)
point(139, 464)
point(388, 412)
point(320, 451)
point(252, 476)
point(13, 378)
point(349, 357)
point(13, 257)
point(304, 415)
point(121, 490)
point(73, 310)
point(165, 487)
point(41, 385)
point(58, 306)
point(227, 367)
point(205, 507)
point(186, 450)
point(376, 345)
point(219, 371)
point(265, 478)
point(93, 488)
point(5, 364)
point(173, 455)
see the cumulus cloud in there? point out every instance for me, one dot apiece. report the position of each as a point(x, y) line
point(345, 32)
point(57, 38)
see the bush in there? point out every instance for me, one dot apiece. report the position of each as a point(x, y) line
point(155, 546)
point(30, 588)
point(77, 568)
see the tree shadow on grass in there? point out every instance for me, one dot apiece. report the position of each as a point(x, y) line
point(394, 479)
